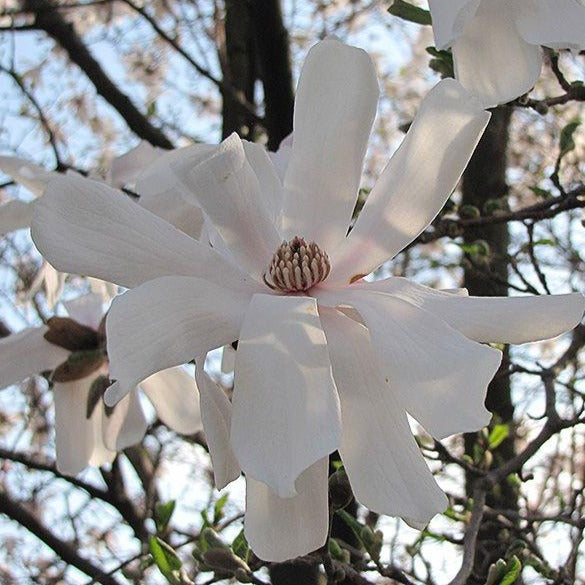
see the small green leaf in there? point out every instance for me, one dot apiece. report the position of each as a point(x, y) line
point(542, 193)
point(240, 546)
point(513, 568)
point(218, 509)
point(566, 141)
point(166, 559)
point(162, 515)
point(497, 435)
point(409, 12)
point(355, 526)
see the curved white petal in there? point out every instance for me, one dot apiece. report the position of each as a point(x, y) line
point(449, 18)
point(27, 174)
point(492, 319)
point(385, 466)
point(87, 309)
point(268, 178)
point(416, 182)
point(127, 167)
point(227, 189)
point(15, 215)
point(167, 322)
point(27, 353)
point(335, 107)
point(440, 376)
point(228, 359)
point(106, 290)
point(216, 414)
point(279, 529)
point(281, 157)
point(51, 281)
point(175, 397)
point(126, 425)
point(285, 405)
point(85, 227)
point(162, 192)
point(559, 24)
point(491, 59)
point(77, 439)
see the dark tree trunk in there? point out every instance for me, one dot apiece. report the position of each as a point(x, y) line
point(485, 179)
point(272, 43)
point(238, 63)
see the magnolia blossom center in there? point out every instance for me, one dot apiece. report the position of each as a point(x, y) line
point(297, 266)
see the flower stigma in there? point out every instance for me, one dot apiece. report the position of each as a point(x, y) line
point(297, 266)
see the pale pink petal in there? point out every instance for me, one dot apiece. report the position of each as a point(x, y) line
point(417, 181)
point(559, 24)
point(126, 425)
point(440, 376)
point(227, 189)
point(385, 466)
point(77, 438)
point(162, 192)
point(449, 18)
point(268, 178)
point(285, 405)
point(27, 174)
point(127, 167)
point(175, 397)
point(28, 353)
point(335, 107)
point(87, 309)
point(491, 59)
point(85, 227)
point(15, 215)
point(278, 529)
point(216, 414)
point(491, 319)
point(168, 322)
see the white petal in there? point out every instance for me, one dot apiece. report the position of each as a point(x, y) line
point(279, 529)
point(441, 376)
point(77, 438)
point(163, 193)
point(228, 359)
point(127, 425)
point(417, 181)
point(51, 281)
point(174, 394)
point(227, 189)
point(216, 414)
point(87, 309)
point(286, 408)
point(268, 178)
point(559, 24)
point(27, 174)
point(281, 157)
point(106, 290)
point(167, 322)
point(40, 355)
point(385, 466)
point(126, 168)
point(85, 227)
point(15, 215)
point(491, 59)
point(335, 107)
point(449, 18)
point(492, 319)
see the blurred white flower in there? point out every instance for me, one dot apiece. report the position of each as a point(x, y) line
point(73, 351)
point(325, 360)
point(496, 43)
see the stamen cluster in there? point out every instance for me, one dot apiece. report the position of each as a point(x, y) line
point(297, 266)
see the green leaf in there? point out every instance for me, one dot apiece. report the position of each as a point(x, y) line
point(542, 193)
point(497, 435)
point(162, 515)
point(513, 568)
point(240, 546)
point(218, 508)
point(566, 142)
point(166, 559)
point(355, 526)
point(409, 12)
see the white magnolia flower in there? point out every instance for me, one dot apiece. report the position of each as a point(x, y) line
point(86, 431)
point(325, 360)
point(496, 43)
